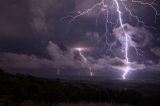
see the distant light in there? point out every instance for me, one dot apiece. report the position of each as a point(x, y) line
point(81, 49)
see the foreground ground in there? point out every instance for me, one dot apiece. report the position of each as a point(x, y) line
point(26, 90)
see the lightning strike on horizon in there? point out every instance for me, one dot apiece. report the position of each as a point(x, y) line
point(126, 38)
point(125, 73)
point(91, 73)
point(116, 7)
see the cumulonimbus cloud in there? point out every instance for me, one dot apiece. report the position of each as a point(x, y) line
point(60, 58)
point(156, 51)
point(24, 61)
point(139, 36)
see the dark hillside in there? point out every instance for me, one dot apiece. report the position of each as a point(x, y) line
point(20, 88)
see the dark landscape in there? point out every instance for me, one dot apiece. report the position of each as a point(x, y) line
point(27, 90)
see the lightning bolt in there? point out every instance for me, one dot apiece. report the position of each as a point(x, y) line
point(125, 73)
point(84, 59)
point(115, 6)
point(91, 73)
point(126, 38)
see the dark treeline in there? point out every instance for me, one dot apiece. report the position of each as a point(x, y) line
point(19, 88)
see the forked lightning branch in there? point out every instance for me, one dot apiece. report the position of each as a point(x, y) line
point(116, 6)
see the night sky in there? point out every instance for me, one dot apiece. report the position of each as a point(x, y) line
point(35, 38)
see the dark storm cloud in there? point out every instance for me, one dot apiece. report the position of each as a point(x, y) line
point(156, 51)
point(115, 64)
point(62, 58)
point(153, 66)
point(140, 37)
point(59, 57)
point(16, 35)
point(45, 15)
point(24, 61)
point(28, 25)
point(93, 36)
point(39, 10)
point(31, 31)
point(14, 18)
